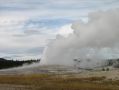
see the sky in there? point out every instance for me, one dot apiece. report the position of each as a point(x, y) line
point(27, 26)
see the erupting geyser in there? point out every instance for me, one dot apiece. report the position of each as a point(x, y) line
point(96, 40)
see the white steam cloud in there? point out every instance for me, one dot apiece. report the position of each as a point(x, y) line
point(95, 40)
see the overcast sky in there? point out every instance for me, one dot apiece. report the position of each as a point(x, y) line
point(27, 26)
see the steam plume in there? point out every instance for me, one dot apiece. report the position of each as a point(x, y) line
point(88, 40)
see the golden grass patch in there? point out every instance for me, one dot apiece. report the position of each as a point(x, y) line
point(54, 82)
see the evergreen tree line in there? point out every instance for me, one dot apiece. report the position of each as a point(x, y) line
point(4, 63)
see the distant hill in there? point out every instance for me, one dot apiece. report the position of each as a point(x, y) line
point(4, 63)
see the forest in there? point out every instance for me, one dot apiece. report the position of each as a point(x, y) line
point(4, 63)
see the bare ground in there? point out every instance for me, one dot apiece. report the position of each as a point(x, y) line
point(13, 87)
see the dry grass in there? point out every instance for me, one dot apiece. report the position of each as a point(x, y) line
point(57, 82)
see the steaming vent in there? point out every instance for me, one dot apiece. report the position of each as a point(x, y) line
point(93, 42)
